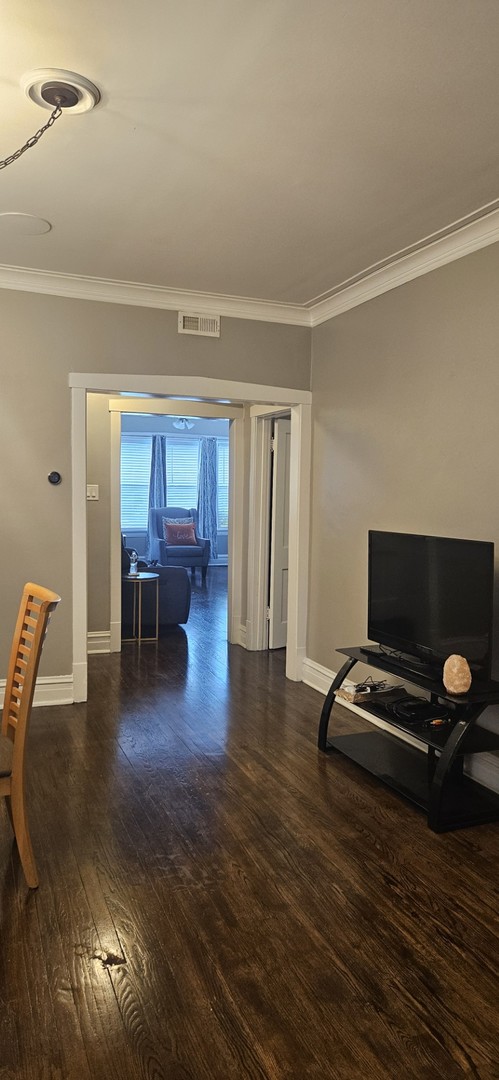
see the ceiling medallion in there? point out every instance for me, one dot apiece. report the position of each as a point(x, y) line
point(57, 90)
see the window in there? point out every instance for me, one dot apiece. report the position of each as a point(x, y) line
point(135, 477)
point(182, 467)
point(223, 483)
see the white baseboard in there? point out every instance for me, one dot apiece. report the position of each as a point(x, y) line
point(99, 641)
point(242, 635)
point(49, 690)
point(317, 676)
point(484, 768)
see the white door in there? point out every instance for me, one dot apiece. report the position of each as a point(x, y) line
point(278, 591)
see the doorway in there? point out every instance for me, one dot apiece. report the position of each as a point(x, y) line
point(174, 476)
point(119, 409)
point(242, 511)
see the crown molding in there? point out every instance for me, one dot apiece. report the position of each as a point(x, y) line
point(463, 241)
point(134, 294)
point(429, 255)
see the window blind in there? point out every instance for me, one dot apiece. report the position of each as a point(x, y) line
point(223, 483)
point(182, 468)
point(135, 477)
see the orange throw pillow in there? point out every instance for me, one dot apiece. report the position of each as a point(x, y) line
point(180, 534)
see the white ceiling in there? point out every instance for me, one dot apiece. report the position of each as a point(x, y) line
point(267, 149)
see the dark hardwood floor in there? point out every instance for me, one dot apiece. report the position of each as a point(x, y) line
point(218, 900)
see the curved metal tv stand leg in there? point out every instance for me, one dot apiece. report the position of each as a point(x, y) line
point(443, 771)
point(329, 702)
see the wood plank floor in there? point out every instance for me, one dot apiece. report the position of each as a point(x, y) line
point(218, 900)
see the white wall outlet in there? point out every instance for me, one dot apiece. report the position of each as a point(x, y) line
point(92, 492)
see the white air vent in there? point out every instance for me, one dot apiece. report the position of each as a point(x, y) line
point(204, 325)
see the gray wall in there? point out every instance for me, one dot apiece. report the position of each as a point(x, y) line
point(406, 400)
point(43, 339)
point(406, 395)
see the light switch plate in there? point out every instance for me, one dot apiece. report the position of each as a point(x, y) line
point(92, 492)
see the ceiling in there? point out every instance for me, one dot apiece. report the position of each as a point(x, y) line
point(265, 149)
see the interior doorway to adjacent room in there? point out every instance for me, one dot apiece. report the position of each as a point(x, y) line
point(244, 494)
point(178, 465)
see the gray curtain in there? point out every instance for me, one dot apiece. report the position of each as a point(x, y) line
point(207, 493)
point(157, 483)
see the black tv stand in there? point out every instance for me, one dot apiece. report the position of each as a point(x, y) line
point(409, 664)
point(434, 781)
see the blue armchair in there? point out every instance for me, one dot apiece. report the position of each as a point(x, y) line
point(177, 554)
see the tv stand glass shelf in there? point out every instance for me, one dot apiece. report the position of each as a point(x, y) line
point(434, 781)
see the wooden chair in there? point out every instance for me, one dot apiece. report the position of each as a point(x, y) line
point(35, 610)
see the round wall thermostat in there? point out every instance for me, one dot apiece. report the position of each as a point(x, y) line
point(54, 477)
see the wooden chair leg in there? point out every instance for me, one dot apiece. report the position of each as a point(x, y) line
point(23, 840)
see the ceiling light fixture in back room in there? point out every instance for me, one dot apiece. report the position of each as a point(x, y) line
point(58, 90)
point(183, 424)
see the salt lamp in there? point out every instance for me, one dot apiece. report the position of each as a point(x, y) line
point(457, 674)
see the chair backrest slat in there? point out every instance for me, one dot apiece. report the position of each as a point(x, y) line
point(37, 604)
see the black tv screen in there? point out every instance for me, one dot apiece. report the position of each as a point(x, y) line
point(430, 596)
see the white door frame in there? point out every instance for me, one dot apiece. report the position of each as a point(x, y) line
point(279, 534)
point(299, 531)
point(222, 392)
point(259, 531)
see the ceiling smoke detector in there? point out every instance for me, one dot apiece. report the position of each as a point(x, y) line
point(53, 88)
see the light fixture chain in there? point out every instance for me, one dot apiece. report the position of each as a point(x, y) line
point(33, 140)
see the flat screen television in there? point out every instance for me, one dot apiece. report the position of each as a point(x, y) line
point(430, 596)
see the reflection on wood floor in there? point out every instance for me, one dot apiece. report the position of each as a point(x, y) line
point(220, 901)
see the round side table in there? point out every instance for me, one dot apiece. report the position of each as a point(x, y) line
point(137, 581)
